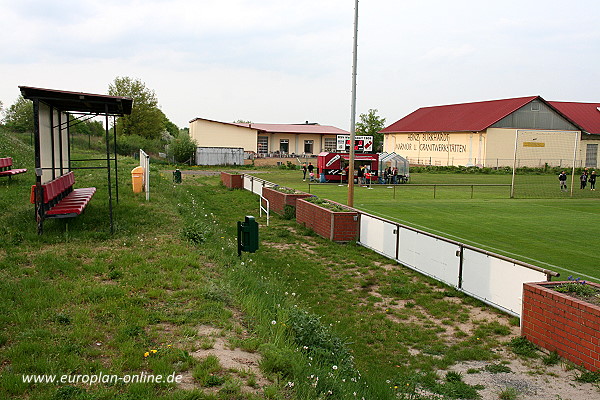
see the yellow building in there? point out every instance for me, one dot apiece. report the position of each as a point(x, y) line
point(526, 131)
point(266, 139)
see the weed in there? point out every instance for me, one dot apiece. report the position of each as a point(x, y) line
point(509, 393)
point(289, 212)
point(551, 359)
point(195, 232)
point(497, 368)
point(523, 347)
point(588, 377)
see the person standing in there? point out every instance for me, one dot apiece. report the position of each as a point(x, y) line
point(562, 178)
point(310, 169)
point(583, 180)
point(304, 169)
point(592, 180)
point(361, 175)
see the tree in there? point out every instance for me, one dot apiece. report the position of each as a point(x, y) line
point(170, 127)
point(183, 148)
point(369, 125)
point(146, 119)
point(19, 116)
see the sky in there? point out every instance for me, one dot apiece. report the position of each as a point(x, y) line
point(284, 61)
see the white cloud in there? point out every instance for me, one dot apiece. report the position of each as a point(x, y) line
point(290, 61)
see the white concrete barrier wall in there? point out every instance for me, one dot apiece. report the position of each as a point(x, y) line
point(378, 235)
point(248, 182)
point(429, 255)
point(496, 281)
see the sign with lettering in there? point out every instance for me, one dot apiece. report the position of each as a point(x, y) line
point(361, 143)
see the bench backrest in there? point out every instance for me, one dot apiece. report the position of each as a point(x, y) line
point(60, 186)
point(5, 162)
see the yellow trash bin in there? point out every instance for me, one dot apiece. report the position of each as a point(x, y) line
point(137, 179)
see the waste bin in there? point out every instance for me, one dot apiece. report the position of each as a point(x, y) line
point(177, 176)
point(137, 179)
point(247, 235)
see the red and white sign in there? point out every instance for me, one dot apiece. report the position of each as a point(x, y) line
point(361, 143)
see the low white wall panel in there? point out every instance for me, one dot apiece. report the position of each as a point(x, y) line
point(429, 255)
point(497, 281)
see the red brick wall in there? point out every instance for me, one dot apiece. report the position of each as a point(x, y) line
point(232, 181)
point(336, 226)
point(278, 200)
point(558, 322)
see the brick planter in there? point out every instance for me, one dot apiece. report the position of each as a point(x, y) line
point(232, 181)
point(278, 200)
point(561, 323)
point(334, 225)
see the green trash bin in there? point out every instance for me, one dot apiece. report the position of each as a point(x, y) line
point(177, 176)
point(247, 235)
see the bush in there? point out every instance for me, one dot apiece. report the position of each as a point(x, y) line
point(128, 145)
point(289, 212)
point(183, 149)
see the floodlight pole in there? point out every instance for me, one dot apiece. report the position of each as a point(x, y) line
point(353, 112)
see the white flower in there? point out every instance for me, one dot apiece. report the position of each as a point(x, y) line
point(273, 322)
point(334, 367)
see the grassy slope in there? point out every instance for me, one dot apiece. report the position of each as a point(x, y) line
point(78, 300)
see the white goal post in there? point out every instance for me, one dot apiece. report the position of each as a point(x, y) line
point(545, 149)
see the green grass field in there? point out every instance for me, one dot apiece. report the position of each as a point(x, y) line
point(328, 320)
point(559, 234)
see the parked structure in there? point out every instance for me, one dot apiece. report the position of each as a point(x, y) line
point(219, 156)
point(487, 133)
point(264, 140)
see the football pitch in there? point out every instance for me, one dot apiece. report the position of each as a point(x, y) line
point(557, 233)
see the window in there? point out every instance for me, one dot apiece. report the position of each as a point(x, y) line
point(308, 146)
point(331, 144)
point(591, 156)
point(263, 144)
point(284, 146)
point(535, 106)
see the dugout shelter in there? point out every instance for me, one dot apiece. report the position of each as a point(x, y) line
point(55, 112)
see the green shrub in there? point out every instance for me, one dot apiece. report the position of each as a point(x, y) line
point(277, 360)
point(183, 149)
point(289, 212)
point(523, 347)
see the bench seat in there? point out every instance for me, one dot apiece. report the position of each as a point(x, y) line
point(60, 200)
point(6, 168)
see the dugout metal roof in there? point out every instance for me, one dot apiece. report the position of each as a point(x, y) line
point(78, 101)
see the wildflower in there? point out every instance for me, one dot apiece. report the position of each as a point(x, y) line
point(153, 351)
point(334, 367)
point(146, 354)
point(273, 322)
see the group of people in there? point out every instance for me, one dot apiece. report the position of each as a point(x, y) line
point(390, 176)
point(583, 180)
point(310, 169)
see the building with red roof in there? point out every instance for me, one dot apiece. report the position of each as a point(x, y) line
point(487, 133)
point(305, 139)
